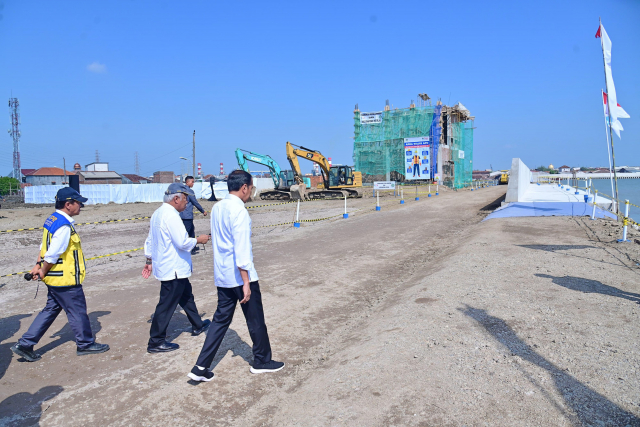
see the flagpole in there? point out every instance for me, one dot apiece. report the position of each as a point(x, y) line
point(606, 134)
point(613, 156)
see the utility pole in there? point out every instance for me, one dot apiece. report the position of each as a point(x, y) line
point(14, 107)
point(64, 165)
point(194, 154)
point(97, 156)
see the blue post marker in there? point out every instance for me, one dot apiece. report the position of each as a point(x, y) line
point(345, 214)
point(402, 196)
point(378, 201)
point(417, 198)
point(429, 195)
point(296, 224)
point(437, 186)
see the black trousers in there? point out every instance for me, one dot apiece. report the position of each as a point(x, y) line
point(254, 315)
point(172, 293)
point(70, 299)
point(191, 229)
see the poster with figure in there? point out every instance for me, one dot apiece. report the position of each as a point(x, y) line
point(417, 153)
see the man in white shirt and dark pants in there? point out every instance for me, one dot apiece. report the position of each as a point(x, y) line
point(236, 280)
point(168, 251)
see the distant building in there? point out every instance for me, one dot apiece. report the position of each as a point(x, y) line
point(131, 178)
point(47, 176)
point(564, 169)
point(478, 174)
point(550, 167)
point(77, 167)
point(99, 177)
point(163, 177)
point(97, 167)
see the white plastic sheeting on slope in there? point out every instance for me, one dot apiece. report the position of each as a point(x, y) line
point(130, 193)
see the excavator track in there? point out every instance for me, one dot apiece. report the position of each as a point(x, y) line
point(275, 195)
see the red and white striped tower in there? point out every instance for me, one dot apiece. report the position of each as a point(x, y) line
point(330, 163)
point(221, 169)
point(199, 170)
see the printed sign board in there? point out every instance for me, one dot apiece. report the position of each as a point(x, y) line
point(369, 118)
point(384, 185)
point(460, 154)
point(417, 155)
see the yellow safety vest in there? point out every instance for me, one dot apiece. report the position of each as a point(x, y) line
point(70, 268)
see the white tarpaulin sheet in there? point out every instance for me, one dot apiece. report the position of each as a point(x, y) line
point(130, 193)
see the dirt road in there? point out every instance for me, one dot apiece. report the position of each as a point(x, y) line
point(416, 315)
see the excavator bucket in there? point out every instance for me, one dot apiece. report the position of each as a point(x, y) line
point(298, 192)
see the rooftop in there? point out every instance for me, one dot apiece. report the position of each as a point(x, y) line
point(53, 171)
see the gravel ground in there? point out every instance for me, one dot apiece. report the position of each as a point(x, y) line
point(419, 314)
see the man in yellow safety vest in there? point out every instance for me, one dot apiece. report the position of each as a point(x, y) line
point(61, 267)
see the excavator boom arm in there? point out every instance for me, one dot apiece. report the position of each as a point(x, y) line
point(242, 156)
point(314, 156)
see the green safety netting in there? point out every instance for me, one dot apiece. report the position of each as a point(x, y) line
point(378, 148)
point(462, 153)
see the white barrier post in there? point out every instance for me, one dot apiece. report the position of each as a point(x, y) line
point(625, 221)
point(429, 195)
point(345, 215)
point(593, 213)
point(417, 198)
point(437, 186)
point(296, 223)
point(377, 200)
point(402, 196)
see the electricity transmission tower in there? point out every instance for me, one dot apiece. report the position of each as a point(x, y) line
point(14, 108)
point(97, 156)
point(136, 164)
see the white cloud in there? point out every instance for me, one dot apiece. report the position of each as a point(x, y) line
point(96, 67)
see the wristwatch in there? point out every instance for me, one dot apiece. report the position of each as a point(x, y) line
point(149, 261)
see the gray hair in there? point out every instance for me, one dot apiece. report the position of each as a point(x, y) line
point(169, 197)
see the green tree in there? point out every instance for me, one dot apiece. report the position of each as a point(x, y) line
point(8, 183)
point(542, 168)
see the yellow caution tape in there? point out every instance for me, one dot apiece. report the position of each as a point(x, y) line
point(80, 223)
point(87, 259)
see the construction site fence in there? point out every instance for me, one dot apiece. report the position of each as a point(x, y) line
point(296, 222)
point(618, 207)
point(131, 193)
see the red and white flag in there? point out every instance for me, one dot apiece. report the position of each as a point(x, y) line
point(614, 110)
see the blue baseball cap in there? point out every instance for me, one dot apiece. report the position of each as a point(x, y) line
point(68, 193)
point(178, 187)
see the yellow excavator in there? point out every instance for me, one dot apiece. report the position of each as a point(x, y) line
point(339, 181)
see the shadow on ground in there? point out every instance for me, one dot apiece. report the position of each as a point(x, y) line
point(583, 406)
point(26, 409)
point(589, 286)
point(66, 334)
point(8, 327)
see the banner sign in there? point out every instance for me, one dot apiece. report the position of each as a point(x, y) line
point(417, 158)
point(461, 154)
point(369, 118)
point(384, 185)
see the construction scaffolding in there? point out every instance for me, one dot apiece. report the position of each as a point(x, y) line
point(379, 142)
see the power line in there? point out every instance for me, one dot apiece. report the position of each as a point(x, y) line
point(136, 164)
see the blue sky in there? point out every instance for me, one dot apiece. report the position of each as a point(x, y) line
point(127, 76)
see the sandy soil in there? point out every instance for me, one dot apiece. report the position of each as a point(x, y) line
point(419, 314)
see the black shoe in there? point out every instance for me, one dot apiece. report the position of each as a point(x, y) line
point(198, 374)
point(205, 326)
point(194, 250)
point(94, 348)
point(272, 366)
point(26, 352)
point(163, 348)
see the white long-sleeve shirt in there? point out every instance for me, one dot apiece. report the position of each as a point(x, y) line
point(231, 241)
point(168, 245)
point(59, 241)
